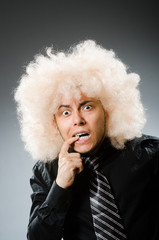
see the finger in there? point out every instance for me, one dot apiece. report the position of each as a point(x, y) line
point(69, 161)
point(71, 158)
point(68, 143)
point(75, 155)
point(76, 165)
point(78, 169)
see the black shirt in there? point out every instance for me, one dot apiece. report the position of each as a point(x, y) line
point(133, 174)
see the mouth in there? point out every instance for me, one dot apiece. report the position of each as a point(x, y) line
point(81, 135)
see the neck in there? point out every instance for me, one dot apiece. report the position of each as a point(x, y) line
point(98, 150)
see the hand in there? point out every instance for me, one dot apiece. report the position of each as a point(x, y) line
point(69, 165)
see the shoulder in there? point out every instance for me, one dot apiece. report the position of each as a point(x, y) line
point(146, 144)
point(45, 172)
point(145, 141)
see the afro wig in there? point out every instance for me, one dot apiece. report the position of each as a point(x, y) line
point(87, 68)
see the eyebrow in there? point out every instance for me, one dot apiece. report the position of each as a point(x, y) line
point(80, 105)
point(65, 106)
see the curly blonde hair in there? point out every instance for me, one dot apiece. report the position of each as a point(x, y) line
point(87, 68)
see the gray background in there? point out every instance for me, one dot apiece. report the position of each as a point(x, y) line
point(26, 27)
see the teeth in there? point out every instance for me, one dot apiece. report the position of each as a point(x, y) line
point(79, 134)
point(82, 135)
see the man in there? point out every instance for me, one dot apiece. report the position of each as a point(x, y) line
point(97, 175)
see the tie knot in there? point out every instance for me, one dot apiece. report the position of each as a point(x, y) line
point(92, 163)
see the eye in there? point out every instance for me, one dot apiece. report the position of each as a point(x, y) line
point(66, 113)
point(87, 107)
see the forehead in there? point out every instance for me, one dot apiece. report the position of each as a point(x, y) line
point(76, 101)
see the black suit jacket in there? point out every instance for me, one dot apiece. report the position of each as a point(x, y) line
point(133, 174)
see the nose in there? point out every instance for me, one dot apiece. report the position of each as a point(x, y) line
point(78, 119)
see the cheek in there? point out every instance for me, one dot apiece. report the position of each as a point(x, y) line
point(63, 128)
point(99, 124)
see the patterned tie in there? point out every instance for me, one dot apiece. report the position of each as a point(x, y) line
point(106, 219)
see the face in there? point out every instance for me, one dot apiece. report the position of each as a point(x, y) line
point(85, 118)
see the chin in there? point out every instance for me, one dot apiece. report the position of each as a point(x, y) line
point(83, 149)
